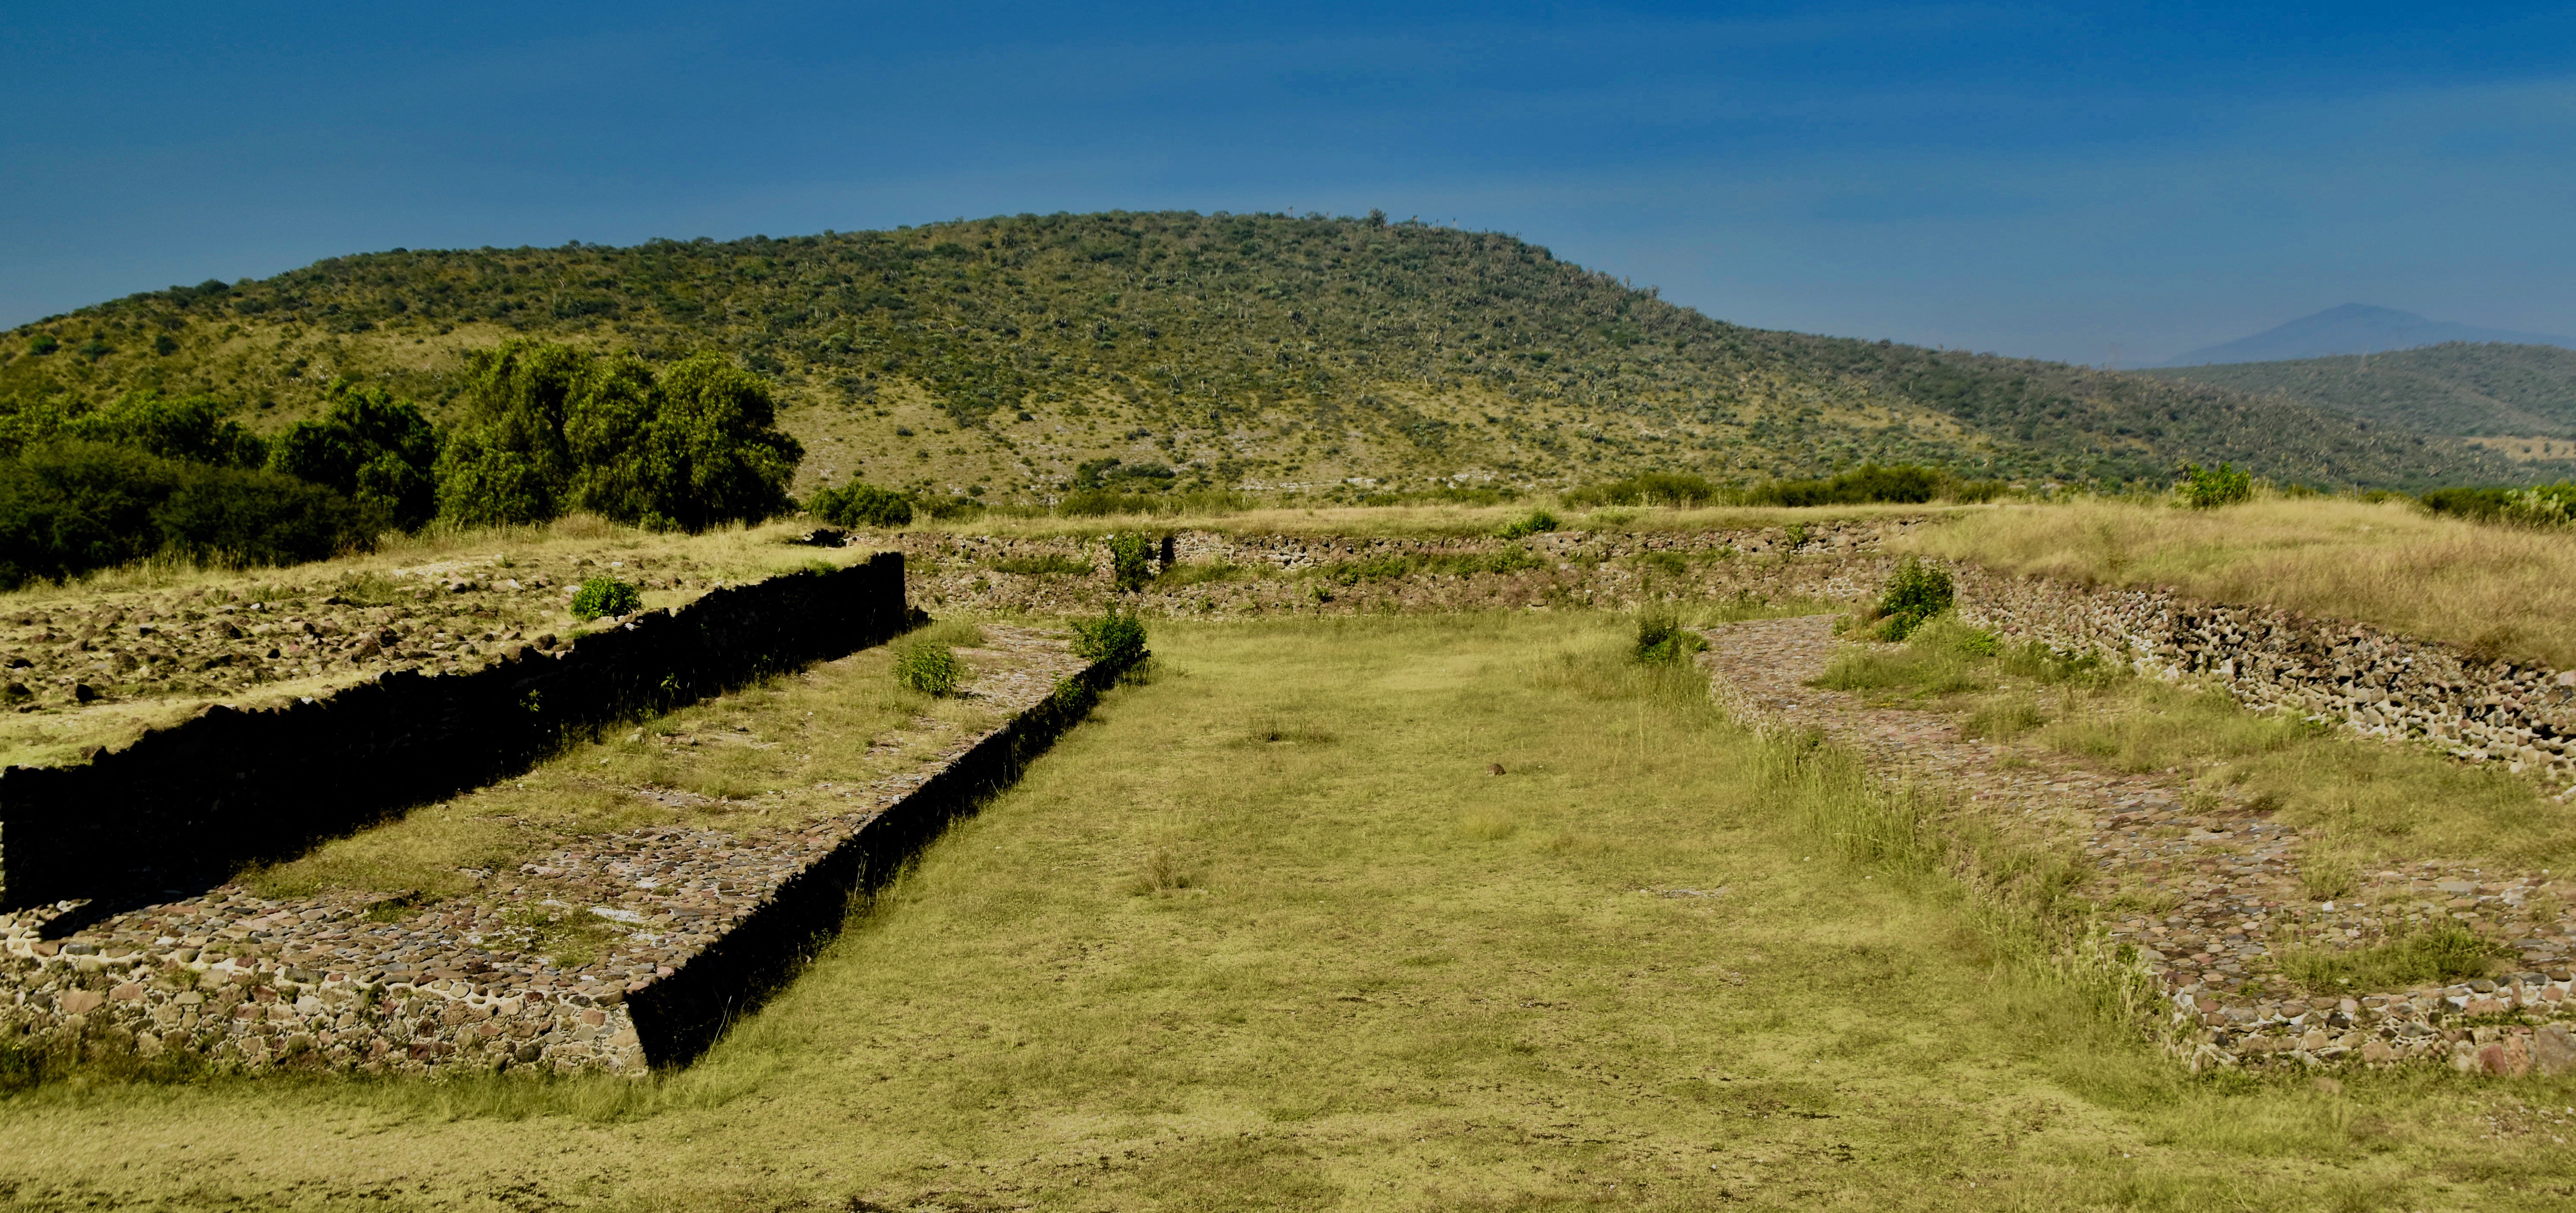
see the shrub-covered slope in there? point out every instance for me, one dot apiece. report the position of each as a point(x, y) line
point(2461, 388)
point(1021, 355)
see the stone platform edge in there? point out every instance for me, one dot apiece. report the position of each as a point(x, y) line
point(192, 802)
point(271, 1015)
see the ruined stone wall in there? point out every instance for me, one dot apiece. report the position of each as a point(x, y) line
point(2373, 681)
point(753, 901)
point(1340, 575)
point(186, 805)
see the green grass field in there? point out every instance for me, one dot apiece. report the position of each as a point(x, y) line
point(1266, 933)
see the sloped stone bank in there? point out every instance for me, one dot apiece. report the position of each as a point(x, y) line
point(185, 805)
point(2372, 681)
point(1202, 573)
point(2229, 870)
point(707, 920)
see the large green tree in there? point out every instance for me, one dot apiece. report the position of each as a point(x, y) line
point(550, 428)
point(379, 451)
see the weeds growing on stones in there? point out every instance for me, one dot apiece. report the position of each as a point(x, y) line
point(1915, 593)
point(606, 597)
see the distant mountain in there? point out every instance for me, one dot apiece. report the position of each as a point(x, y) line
point(2456, 389)
point(1018, 357)
point(2354, 328)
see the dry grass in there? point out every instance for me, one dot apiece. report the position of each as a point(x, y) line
point(2504, 591)
point(1425, 521)
point(1182, 967)
point(770, 756)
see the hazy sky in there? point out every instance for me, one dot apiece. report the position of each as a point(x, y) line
point(2057, 180)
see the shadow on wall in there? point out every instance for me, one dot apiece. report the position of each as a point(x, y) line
point(681, 1016)
point(183, 807)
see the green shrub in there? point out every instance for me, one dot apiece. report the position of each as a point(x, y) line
point(861, 505)
point(1915, 592)
point(1131, 559)
point(68, 506)
point(1904, 484)
point(2203, 488)
point(1662, 638)
point(194, 429)
point(549, 428)
point(1539, 522)
point(2547, 505)
point(951, 507)
point(42, 344)
point(606, 596)
point(927, 666)
point(379, 451)
point(1649, 488)
point(1114, 636)
point(2478, 504)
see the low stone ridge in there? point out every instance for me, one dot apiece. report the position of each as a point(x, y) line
point(2370, 680)
point(2231, 868)
point(1201, 573)
point(704, 919)
point(229, 786)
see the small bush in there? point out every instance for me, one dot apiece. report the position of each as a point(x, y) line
point(1904, 484)
point(2547, 506)
point(1650, 488)
point(606, 596)
point(2441, 954)
point(1915, 593)
point(1131, 559)
point(1661, 637)
point(2480, 505)
point(2209, 488)
point(927, 666)
point(1539, 522)
point(861, 505)
point(1114, 636)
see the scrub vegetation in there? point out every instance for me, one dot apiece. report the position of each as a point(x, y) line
point(1144, 355)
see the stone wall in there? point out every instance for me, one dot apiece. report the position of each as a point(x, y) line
point(751, 903)
point(186, 805)
point(2370, 680)
point(1341, 575)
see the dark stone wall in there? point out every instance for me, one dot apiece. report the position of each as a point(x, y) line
point(183, 807)
point(679, 1016)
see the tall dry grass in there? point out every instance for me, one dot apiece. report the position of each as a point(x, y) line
point(2499, 591)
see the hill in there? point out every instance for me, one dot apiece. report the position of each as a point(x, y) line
point(2495, 392)
point(2354, 328)
point(1018, 356)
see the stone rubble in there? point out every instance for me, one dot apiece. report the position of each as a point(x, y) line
point(2230, 869)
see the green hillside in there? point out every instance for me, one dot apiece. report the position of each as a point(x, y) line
point(2466, 389)
point(1262, 352)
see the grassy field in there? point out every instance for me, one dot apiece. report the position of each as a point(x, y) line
point(1268, 933)
point(2504, 591)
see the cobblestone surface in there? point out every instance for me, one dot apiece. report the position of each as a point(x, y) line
point(349, 981)
point(2231, 871)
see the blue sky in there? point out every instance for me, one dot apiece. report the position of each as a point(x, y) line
point(2058, 180)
